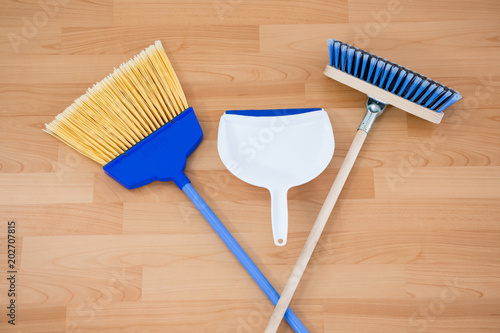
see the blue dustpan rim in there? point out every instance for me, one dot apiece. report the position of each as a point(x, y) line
point(271, 112)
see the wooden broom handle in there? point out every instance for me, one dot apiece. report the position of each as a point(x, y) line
point(317, 229)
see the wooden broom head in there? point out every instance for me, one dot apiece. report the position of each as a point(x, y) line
point(389, 82)
point(128, 105)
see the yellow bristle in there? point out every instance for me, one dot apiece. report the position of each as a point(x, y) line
point(139, 97)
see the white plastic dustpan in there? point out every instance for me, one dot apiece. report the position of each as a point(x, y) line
point(276, 149)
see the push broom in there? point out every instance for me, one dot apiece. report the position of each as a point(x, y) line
point(385, 83)
point(137, 124)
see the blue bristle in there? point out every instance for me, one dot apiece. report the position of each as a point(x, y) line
point(364, 62)
point(330, 50)
point(434, 95)
point(357, 59)
point(455, 97)
point(407, 80)
point(378, 70)
point(343, 52)
point(394, 71)
point(427, 93)
point(387, 69)
point(373, 62)
point(391, 77)
point(414, 84)
point(350, 58)
point(440, 101)
point(401, 75)
point(420, 89)
point(337, 54)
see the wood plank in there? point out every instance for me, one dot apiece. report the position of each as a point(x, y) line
point(342, 281)
point(212, 316)
point(57, 13)
point(416, 182)
point(100, 251)
point(381, 247)
point(39, 319)
point(189, 40)
point(449, 314)
point(222, 12)
point(407, 11)
point(430, 280)
point(66, 219)
point(53, 287)
point(418, 215)
point(46, 188)
point(28, 157)
point(39, 103)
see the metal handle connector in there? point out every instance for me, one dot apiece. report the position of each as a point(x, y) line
point(374, 108)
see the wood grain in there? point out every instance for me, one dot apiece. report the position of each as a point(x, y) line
point(413, 244)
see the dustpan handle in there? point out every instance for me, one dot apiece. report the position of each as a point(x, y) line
point(242, 257)
point(279, 216)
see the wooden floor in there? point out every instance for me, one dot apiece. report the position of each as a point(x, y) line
point(412, 246)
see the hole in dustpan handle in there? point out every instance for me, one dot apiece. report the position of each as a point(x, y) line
point(279, 216)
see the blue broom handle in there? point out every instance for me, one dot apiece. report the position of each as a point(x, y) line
point(242, 257)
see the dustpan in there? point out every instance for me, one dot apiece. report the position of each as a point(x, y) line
point(276, 149)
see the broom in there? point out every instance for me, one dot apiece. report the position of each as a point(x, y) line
point(385, 83)
point(137, 124)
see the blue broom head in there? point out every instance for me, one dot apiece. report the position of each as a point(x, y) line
point(136, 122)
point(160, 156)
point(391, 77)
